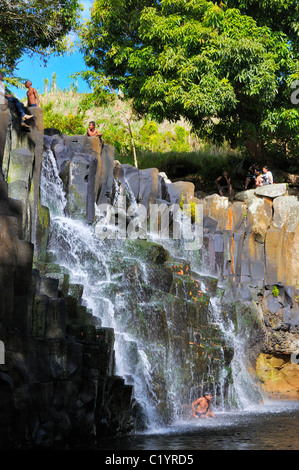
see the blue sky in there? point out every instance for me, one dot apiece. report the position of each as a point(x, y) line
point(34, 69)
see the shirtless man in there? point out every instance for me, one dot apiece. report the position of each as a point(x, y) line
point(92, 131)
point(201, 407)
point(32, 96)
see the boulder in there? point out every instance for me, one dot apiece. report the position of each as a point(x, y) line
point(282, 256)
point(282, 242)
point(216, 207)
point(259, 215)
point(279, 376)
point(129, 177)
point(146, 250)
point(81, 187)
point(229, 216)
point(271, 190)
point(94, 146)
point(286, 212)
point(50, 131)
point(149, 187)
point(104, 182)
point(180, 191)
point(252, 259)
point(62, 154)
point(245, 195)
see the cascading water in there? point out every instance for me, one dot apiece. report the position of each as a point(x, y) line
point(165, 364)
point(244, 391)
point(85, 258)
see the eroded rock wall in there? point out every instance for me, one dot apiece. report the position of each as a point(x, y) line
point(57, 371)
point(251, 244)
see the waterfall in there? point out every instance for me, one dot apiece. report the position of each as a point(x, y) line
point(86, 258)
point(51, 187)
point(244, 392)
point(164, 363)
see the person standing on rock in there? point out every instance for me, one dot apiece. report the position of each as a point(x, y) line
point(19, 106)
point(201, 407)
point(32, 96)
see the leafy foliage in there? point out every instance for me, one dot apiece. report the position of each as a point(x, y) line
point(227, 69)
point(34, 26)
point(69, 124)
point(279, 15)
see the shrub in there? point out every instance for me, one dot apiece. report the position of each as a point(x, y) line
point(67, 124)
point(275, 291)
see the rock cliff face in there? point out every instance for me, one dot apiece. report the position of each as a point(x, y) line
point(154, 297)
point(252, 245)
point(57, 370)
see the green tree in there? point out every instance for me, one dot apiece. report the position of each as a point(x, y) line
point(227, 72)
point(34, 26)
point(279, 15)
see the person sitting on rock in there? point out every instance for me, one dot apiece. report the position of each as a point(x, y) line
point(92, 131)
point(223, 182)
point(19, 106)
point(265, 178)
point(252, 174)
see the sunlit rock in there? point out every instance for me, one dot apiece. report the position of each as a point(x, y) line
point(271, 190)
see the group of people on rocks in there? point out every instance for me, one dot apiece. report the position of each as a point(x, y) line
point(33, 101)
point(254, 178)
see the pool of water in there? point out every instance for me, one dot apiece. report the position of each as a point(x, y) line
point(272, 426)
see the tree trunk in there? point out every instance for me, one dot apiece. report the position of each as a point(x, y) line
point(257, 151)
point(133, 145)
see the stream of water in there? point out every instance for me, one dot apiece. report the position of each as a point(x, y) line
point(85, 257)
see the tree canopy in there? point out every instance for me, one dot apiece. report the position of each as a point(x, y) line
point(227, 69)
point(33, 26)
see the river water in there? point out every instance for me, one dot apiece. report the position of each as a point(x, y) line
point(273, 426)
